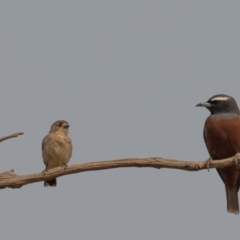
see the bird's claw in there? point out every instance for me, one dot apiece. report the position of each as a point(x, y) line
point(64, 166)
point(236, 159)
point(44, 171)
point(208, 162)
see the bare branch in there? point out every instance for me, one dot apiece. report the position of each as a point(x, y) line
point(10, 136)
point(9, 179)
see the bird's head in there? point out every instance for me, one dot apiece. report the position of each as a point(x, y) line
point(60, 125)
point(220, 103)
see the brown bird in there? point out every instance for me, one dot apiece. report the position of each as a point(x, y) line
point(222, 138)
point(56, 148)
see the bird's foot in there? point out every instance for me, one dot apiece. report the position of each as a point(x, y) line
point(64, 166)
point(208, 162)
point(236, 159)
point(44, 171)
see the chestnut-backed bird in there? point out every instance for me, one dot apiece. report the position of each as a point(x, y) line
point(222, 137)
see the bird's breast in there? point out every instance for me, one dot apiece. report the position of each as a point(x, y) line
point(57, 150)
point(222, 136)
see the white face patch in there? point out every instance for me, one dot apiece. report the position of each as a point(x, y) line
point(220, 99)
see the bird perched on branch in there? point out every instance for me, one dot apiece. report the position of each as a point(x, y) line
point(56, 148)
point(222, 138)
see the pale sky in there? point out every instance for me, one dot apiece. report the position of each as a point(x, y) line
point(126, 75)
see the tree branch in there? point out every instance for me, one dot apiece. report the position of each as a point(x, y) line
point(10, 136)
point(11, 180)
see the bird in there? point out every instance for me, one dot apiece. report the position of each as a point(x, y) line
point(222, 138)
point(56, 148)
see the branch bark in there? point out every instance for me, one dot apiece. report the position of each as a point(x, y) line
point(10, 136)
point(11, 180)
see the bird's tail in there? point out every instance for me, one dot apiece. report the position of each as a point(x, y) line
point(232, 200)
point(51, 183)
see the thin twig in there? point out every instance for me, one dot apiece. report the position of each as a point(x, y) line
point(10, 136)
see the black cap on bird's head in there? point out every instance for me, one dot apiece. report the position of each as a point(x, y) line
point(220, 103)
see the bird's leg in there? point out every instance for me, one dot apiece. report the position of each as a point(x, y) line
point(64, 166)
point(208, 161)
point(44, 171)
point(236, 159)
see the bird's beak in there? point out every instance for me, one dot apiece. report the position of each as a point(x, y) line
point(206, 104)
point(67, 126)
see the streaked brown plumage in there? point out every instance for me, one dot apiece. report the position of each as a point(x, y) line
point(56, 148)
point(222, 138)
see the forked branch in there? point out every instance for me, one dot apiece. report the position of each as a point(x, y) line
point(9, 179)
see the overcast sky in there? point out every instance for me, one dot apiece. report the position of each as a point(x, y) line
point(126, 75)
